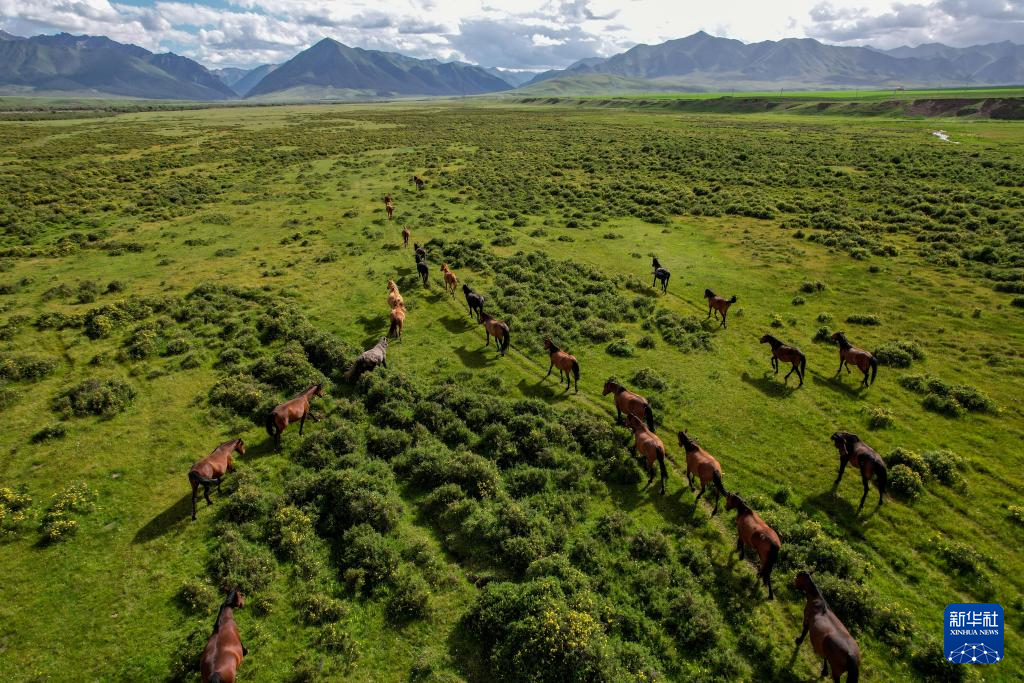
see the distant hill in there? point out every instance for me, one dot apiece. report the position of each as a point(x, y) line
point(704, 61)
point(513, 78)
point(241, 81)
point(95, 64)
point(337, 68)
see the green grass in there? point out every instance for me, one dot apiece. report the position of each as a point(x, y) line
point(920, 243)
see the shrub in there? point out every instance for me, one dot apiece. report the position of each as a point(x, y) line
point(694, 620)
point(1016, 513)
point(248, 503)
point(880, 418)
point(902, 456)
point(197, 596)
point(776, 320)
point(646, 342)
point(387, 443)
point(365, 549)
point(26, 368)
point(288, 369)
point(863, 319)
point(899, 354)
point(649, 378)
point(317, 609)
point(237, 562)
point(430, 466)
point(290, 531)
point(808, 287)
point(184, 664)
point(649, 545)
point(324, 446)
point(336, 639)
point(95, 397)
point(798, 301)
point(929, 660)
point(950, 399)
point(408, 596)
point(852, 602)
point(49, 433)
point(824, 318)
point(14, 508)
point(905, 482)
point(943, 404)
point(961, 558)
point(620, 348)
point(824, 334)
point(242, 395)
point(946, 466)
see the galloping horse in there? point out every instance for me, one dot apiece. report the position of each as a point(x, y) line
point(629, 403)
point(475, 302)
point(418, 181)
point(290, 411)
point(787, 354)
point(389, 206)
point(660, 274)
point(865, 458)
point(224, 650)
point(829, 637)
point(756, 533)
point(423, 270)
point(394, 296)
point(565, 363)
point(848, 353)
point(649, 446)
point(397, 321)
point(701, 463)
point(421, 253)
point(450, 281)
point(405, 237)
point(497, 329)
point(368, 360)
point(718, 304)
point(210, 470)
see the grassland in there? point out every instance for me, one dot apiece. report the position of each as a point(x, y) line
point(458, 517)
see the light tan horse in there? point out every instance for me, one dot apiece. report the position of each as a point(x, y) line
point(394, 296)
point(703, 465)
point(389, 206)
point(829, 638)
point(397, 321)
point(224, 651)
point(565, 362)
point(405, 237)
point(755, 532)
point(293, 410)
point(629, 403)
point(647, 445)
point(210, 470)
point(450, 281)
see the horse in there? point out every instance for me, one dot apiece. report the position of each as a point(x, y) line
point(420, 252)
point(423, 270)
point(865, 458)
point(756, 533)
point(368, 360)
point(290, 411)
point(646, 444)
point(848, 353)
point(788, 354)
point(394, 296)
point(718, 304)
point(389, 206)
point(405, 237)
point(397, 321)
point(224, 650)
point(418, 181)
point(210, 470)
point(660, 274)
point(628, 402)
point(450, 281)
point(497, 329)
point(565, 363)
point(475, 302)
point(701, 463)
point(829, 638)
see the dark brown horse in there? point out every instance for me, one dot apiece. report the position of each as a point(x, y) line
point(718, 304)
point(389, 206)
point(648, 446)
point(629, 403)
point(848, 353)
point(293, 410)
point(405, 237)
point(701, 464)
point(829, 638)
point(755, 532)
point(397, 321)
point(787, 354)
point(210, 470)
point(497, 329)
point(660, 274)
point(420, 254)
point(566, 363)
point(450, 281)
point(419, 182)
point(865, 458)
point(224, 650)
point(475, 302)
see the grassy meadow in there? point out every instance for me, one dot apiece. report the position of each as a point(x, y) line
point(167, 276)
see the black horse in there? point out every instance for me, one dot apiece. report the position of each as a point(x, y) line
point(660, 274)
point(421, 253)
point(423, 270)
point(475, 302)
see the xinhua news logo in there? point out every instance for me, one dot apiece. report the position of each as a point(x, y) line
point(974, 633)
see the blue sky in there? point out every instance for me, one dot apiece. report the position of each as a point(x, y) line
point(516, 34)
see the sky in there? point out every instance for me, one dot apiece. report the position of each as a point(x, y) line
point(526, 35)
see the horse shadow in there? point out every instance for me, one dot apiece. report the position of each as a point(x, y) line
point(836, 384)
point(840, 509)
point(456, 325)
point(373, 323)
point(545, 390)
point(475, 359)
point(263, 448)
point(769, 386)
point(166, 520)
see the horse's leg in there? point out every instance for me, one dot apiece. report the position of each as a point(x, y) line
point(824, 669)
point(839, 477)
point(703, 487)
point(723, 319)
point(803, 634)
point(790, 373)
point(618, 415)
point(689, 479)
point(206, 494)
point(650, 475)
point(568, 379)
point(718, 497)
point(739, 547)
point(840, 370)
point(195, 492)
point(709, 311)
point(864, 480)
point(550, 367)
point(768, 582)
point(302, 421)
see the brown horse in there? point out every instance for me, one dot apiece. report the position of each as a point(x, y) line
point(389, 206)
point(707, 470)
point(405, 237)
point(829, 637)
point(450, 281)
point(419, 182)
point(210, 470)
point(864, 458)
point(848, 353)
point(565, 363)
point(787, 354)
point(718, 304)
point(394, 296)
point(497, 329)
point(756, 533)
point(296, 409)
point(397, 321)
point(629, 403)
point(224, 650)
point(649, 446)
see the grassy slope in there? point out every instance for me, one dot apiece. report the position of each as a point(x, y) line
point(120, 574)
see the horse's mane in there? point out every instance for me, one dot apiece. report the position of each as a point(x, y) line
point(708, 293)
point(616, 385)
point(229, 441)
point(552, 348)
point(817, 591)
point(741, 505)
point(772, 339)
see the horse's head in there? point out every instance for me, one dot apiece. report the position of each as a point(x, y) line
point(610, 386)
point(843, 440)
point(734, 502)
point(803, 581)
point(240, 446)
point(318, 390)
point(391, 285)
point(383, 343)
point(235, 599)
point(840, 338)
point(708, 294)
point(654, 262)
point(685, 441)
point(466, 289)
point(548, 346)
point(767, 339)
point(634, 422)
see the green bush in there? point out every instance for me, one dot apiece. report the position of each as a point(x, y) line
point(387, 443)
point(899, 354)
point(26, 368)
point(317, 609)
point(946, 466)
point(824, 335)
point(106, 398)
point(863, 319)
point(408, 596)
point(905, 482)
point(365, 549)
point(880, 418)
point(197, 596)
point(236, 562)
point(1016, 513)
point(902, 456)
point(694, 620)
point(929, 660)
point(649, 378)
point(242, 395)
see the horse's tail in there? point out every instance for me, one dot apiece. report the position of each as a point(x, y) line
point(661, 463)
point(271, 424)
point(215, 678)
point(883, 479)
point(852, 669)
point(773, 557)
point(393, 328)
point(874, 369)
point(649, 416)
point(733, 299)
point(803, 365)
point(197, 479)
point(576, 369)
point(506, 340)
point(716, 479)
